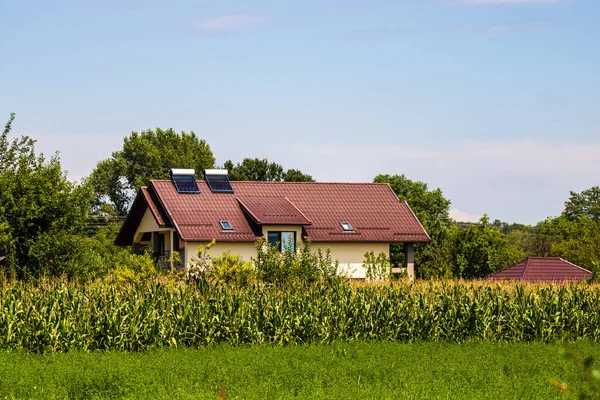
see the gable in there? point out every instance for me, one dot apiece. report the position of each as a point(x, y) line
point(145, 209)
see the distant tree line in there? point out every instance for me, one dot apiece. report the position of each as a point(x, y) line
point(44, 217)
point(474, 250)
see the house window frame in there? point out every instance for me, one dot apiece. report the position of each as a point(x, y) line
point(224, 225)
point(279, 243)
point(345, 224)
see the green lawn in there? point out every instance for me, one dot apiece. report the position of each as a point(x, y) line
point(475, 370)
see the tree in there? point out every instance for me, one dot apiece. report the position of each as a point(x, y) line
point(584, 204)
point(428, 205)
point(481, 250)
point(294, 175)
point(255, 169)
point(576, 240)
point(432, 208)
point(42, 213)
point(150, 154)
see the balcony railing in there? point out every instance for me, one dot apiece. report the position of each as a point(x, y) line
point(163, 258)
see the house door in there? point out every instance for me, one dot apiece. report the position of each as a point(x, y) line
point(158, 244)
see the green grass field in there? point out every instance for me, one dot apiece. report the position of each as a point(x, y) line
point(377, 370)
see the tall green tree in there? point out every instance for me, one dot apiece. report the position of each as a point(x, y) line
point(42, 213)
point(255, 169)
point(575, 240)
point(428, 205)
point(584, 204)
point(294, 175)
point(481, 250)
point(147, 155)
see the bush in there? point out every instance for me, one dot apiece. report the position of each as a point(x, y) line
point(138, 267)
point(303, 265)
point(229, 269)
point(377, 267)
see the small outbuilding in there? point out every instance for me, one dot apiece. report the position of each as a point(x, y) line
point(542, 269)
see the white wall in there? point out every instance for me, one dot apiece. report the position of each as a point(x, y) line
point(349, 255)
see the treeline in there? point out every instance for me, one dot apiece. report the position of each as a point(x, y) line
point(474, 250)
point(52, 226)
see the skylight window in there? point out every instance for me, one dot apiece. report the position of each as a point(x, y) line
point(346, 226)
point(226, 226)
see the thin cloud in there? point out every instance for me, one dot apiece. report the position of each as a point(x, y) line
point(229, 22)
point(529, 26)
point(463, 216)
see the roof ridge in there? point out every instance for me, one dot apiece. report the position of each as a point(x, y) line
point(525, 267)
point(290, 183)
point(545, 258)
point(574, 265)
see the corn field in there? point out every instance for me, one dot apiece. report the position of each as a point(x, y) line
point(61, 316)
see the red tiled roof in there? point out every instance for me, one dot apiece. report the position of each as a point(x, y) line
point(272, 211)
point(542, 269)
point(372, 209)
point(159, 219)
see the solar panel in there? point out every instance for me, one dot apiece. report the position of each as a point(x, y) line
point(219, 183)
point(186, 184)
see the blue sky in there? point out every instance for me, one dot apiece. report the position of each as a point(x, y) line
point(494, 101)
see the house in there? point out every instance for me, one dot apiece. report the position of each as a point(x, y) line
point(542, 269)
point(350, 219)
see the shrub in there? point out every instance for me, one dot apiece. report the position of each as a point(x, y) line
point(377, 267)
point(303, 265)
point(137, 268)
point(199, 265)
point(229, 269)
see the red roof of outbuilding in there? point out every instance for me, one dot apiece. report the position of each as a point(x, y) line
point(372, 209)
point(542, 269)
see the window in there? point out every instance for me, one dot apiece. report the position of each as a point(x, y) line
point(284, 241)
point(226, 226)
point(346, 226)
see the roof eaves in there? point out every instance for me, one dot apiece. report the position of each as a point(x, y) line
point(149, 202)
point(417, 219)
point(246, 209)
point(411, 210)
point(300, 212)
point(492, 275)
point(577, 266)
point(169, 215)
